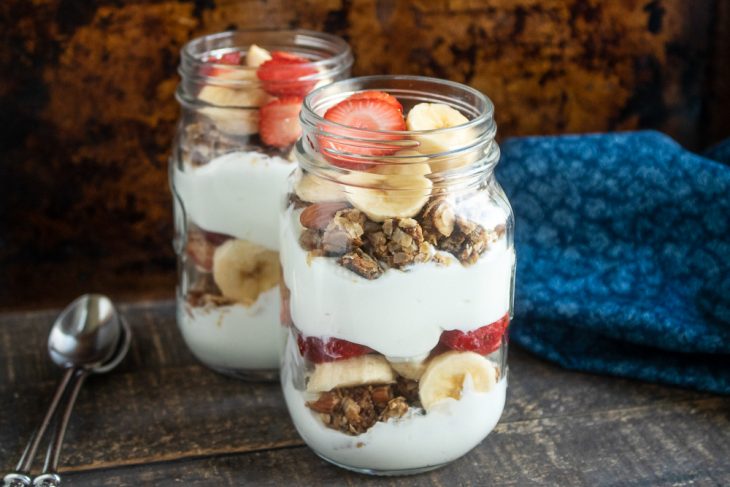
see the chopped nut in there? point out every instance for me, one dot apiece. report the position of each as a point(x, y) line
point(318, 215)
point(398, 243)
point(326, 403)
point(396, 408)
point(362, 264)
point(343, 232)
point(310, 239)
point(439, 214)
point(382, 394)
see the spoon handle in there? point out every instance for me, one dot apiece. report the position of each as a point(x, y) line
point(49, 477)
point(26, 460)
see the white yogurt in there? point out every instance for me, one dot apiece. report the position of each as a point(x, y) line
point(235, 337)
point(416, 441)
point(238, 194)
point(401, 313)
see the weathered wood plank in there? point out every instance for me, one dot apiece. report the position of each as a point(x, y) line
point(162, 415)
point(681, 444)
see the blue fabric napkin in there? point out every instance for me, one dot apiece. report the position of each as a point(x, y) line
point(623, 255)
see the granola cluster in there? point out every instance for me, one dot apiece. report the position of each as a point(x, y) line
point(368, 248)
point(354, 410)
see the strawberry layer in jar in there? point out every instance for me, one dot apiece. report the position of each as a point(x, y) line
point(241, 94)
point(398, 274)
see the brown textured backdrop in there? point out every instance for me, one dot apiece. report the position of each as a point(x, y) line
point(87, 108)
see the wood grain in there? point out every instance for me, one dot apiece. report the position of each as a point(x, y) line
point(88, 113)
point(161, 419)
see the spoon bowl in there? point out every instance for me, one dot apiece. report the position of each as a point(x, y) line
point(86, 333)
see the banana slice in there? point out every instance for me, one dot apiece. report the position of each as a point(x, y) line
point(446, 374)
point(383, 196)
point(318, 190)
point(356, 371)
point(410, 369)
point(228, 111)
point(242, 270)
point(256, 56)
point(414, 165)
point(431, 116)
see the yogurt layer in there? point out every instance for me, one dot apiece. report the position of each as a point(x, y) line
point(235, 336)
point(238, 194)
point(402, 313)
point(414, 441)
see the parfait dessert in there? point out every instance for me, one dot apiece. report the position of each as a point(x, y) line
point(241, 94)
point(398, 269)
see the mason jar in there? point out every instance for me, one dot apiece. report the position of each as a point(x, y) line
point(240, 97)
point(398, 274)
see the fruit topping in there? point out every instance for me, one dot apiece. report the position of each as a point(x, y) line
point(432, 116)
point(410, 369)
point(201, 246)
point(256, 56)
point(243, 270)
point(355, 371)
point(315, 189)
point(367, 122)
point(483, 340)
point(279, 121)
point(320, 350)
point(383, 196)
point(447, 375)
point(378, 95)
point(282, 75)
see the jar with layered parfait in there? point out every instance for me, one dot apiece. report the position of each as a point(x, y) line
point(241, 93)
point(398, 274)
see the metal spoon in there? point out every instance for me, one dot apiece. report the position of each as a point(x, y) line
point(85, 337)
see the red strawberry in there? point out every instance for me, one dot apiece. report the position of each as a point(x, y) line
point(280, 76)
point(318, 350)
point(279, 121)
point(231, 58)
point(363, 114)
point(378, 95)
point(483, 340)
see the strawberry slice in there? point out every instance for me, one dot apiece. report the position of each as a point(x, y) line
point(483, 340)
point(280, 76)
point(361, 115)
point(279, 121)
point(320, 350)
point(230, 58)
point(378, 95)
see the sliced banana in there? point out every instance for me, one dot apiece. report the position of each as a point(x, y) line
point(432, 116)
point(235, 110)
point(243, 270)
point(446, 374)
point(314, 189)
point(413, 165)
point(356, 371)
point(256, 56)
point(383, 196)
point(410, 369)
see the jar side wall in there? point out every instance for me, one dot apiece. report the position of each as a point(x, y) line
point(228, 174)
point(398, 275)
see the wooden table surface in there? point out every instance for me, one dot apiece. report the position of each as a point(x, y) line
point(162, 419)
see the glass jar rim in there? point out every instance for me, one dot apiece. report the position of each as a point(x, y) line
point(310, 116)
point(192, 60)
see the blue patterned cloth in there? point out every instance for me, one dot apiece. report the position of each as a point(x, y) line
point(623, 249)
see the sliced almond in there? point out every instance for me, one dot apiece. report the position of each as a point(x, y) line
point(318, 215)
